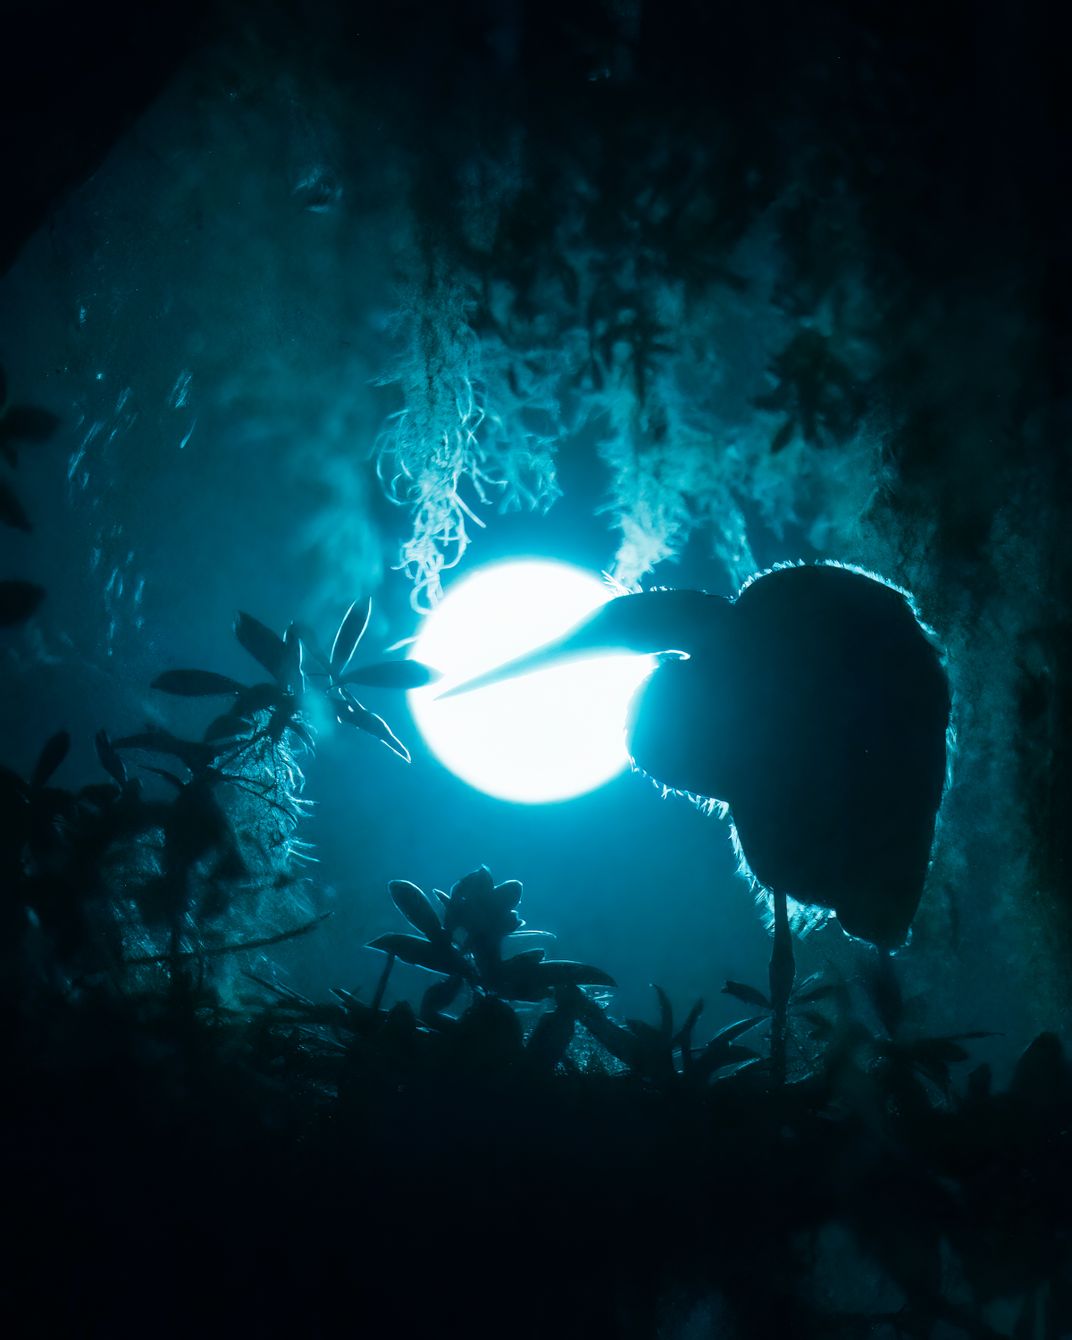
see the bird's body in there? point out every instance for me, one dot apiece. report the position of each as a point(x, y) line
point(823, 727)
point(815, 706)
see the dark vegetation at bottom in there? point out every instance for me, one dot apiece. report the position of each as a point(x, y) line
point(166, 1169)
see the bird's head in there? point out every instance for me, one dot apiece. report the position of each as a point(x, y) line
point(672, 732)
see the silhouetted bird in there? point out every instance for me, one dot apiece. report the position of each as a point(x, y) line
point(814, 705)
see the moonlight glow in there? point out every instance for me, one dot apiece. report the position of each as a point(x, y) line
point(546, 736)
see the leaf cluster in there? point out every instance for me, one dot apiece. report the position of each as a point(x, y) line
point(272, 709)
point(467, 936)
point(108, 877)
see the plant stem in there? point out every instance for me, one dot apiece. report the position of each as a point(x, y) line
point(215, 950)
point(782, 973)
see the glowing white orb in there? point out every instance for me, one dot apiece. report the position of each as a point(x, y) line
point(545, 736)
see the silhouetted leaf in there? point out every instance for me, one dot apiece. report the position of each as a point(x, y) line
point(471, 890)
point(477, 884)
point(27, 423)
point(749, 994)
point(263, 645)
point(519, 978)
point(517, 938)
point(484, 911)
point(529, 977)
point(109, 759)
point(353, 713)
point(439, 997)
point(564, 972)
point(416, 907)
point(18, 600)
point(421, 953)
point(507, 895)
point(683, 1037)
point(821, 1027)
point(738, 1059)
point(393, 675)
point(193, 753)
point(666, 1013)
point(722, 1051)
point(196, 684)
point(733, 1031)
point(168, 777)
point(527, 956)
point(351, 631)
point(226, 727)
point(813, 988)
point(291, 669)
point(51, 756)
point(238, 718)
point(12, 512)
point(314, 652)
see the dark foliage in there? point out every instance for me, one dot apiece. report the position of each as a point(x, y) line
point(107, 880)
point(627, 1167)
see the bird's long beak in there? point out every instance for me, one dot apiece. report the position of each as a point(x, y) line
point(642, 624)
point(578, 643)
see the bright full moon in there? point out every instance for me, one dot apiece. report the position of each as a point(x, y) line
point(546, 736)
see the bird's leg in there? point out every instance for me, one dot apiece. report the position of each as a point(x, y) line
point(782, 973)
